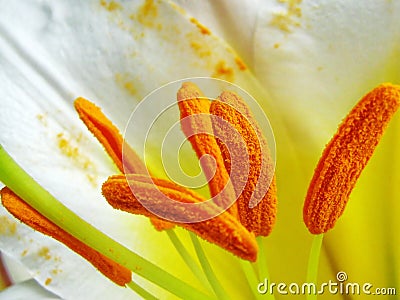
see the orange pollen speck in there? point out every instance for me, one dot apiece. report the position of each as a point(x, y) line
point(48, 281)
point(203, 29)
point(223, 71)
point(240, 63)
point(26, 214)
point(346, 155)
point(111, 6)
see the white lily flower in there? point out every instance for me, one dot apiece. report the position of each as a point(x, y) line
point(307, 63)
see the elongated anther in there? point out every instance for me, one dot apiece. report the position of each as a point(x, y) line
point(346, 155)
point(197, 126)
point(223, 230)
point(257, 200)
point(109, 136)
point(26, 214)
point(111, 139)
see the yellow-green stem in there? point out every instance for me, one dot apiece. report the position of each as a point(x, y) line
point(313, 261)
point(212, 279)
point(140, 291)
point(263, 267)
point(251, 277)
point(187, 258)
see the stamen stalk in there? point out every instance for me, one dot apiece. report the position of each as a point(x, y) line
point(251, 277)
point(262, 264)
point(13, 176)
point(313, 261)
point(215, 284)
point(140, 291)
point(187, 258)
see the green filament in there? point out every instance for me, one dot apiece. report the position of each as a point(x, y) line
point(251, 277)
point(215, 284)
point(187, 258)
point(140, 291)
point(312, 272)
point(262, 265)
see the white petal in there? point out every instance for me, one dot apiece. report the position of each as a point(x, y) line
point(26, 290)
point(234, 21)
point(16, 271)
point(317, 58)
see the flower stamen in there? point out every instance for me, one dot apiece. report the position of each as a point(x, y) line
point(140, 194)
point(223, 230)
point(257, 201)
point(346, 155)
point(26, 214)
point(109, 136)
point(197, 126)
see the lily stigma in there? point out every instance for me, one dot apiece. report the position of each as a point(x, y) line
point(240, 213)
